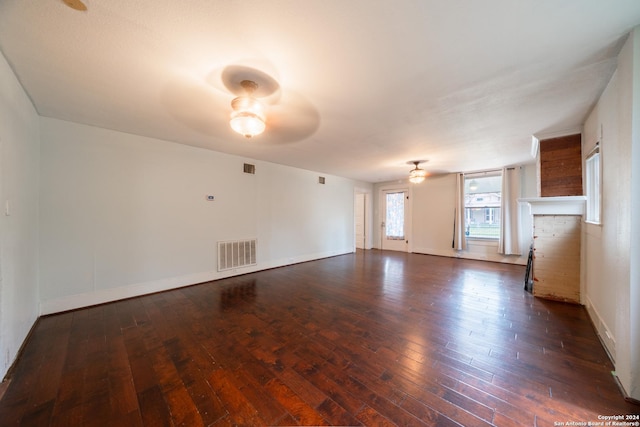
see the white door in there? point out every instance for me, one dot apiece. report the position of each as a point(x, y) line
point(394, 230)
point(360, 219)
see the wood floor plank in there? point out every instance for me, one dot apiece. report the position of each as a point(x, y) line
point(240, 410)
point(305, 389)
point(371, 338)
point(302, 412)
point(153, 408)
point(208, 404)
point(122, 391)
point(269, 408)
point(370, 417)
point(182, 408)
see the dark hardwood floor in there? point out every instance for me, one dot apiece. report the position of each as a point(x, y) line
point(373, 338)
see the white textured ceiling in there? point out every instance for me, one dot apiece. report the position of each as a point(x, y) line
point(364, 85)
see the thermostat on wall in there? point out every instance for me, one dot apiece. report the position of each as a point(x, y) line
point(211, 198)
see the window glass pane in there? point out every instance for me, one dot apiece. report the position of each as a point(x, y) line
point(482, 206)
point(593, 187)
point(395, 216)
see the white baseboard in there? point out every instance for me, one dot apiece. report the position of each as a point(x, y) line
point(431, 251)
point(603, 331)
point(505, 259)
point(101, 296)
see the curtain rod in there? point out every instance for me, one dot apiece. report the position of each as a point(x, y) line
point(490, 171)
point(482, 173)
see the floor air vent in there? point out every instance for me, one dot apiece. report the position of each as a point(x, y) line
point(236, 254)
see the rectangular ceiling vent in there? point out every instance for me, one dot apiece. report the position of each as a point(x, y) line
point(236, 253)
point(249, 168)
point(321, 180)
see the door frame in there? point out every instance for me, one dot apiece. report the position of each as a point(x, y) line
point(368, 220)
point(408, 214)
point(360, 205)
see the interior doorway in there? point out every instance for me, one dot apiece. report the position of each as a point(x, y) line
point(394, 223)
point(360, 220)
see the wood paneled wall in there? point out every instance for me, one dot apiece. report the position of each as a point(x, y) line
point(556, 269)
point(561, 166)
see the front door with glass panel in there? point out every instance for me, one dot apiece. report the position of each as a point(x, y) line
point(394, 231)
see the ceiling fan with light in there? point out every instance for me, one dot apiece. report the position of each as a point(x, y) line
point(248, 115)
point(262, 105)
point(417, 175)
point(242, 100)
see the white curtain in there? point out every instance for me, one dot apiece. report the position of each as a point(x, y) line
point(459, 238)
point(510, 221)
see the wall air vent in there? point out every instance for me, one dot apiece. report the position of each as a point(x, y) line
point(321, 180)
point(236, 253)
point(249, 168)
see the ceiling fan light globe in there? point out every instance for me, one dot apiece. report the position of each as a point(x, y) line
point(247, 124)
point(248, 117)
point(248, 104)
point(417, 175)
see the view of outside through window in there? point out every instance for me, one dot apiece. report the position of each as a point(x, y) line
point(482, 196)
point(395, 216)
point(593, 187)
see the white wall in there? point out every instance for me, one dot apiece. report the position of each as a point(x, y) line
point(123, 215)
point(611, 269)
point(604, 263)
point(19, 145)
point(432, 205)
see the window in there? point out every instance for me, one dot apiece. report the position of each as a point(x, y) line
point(489, 215)
point(482, 198)
point(592, 176)
point(395, 216)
